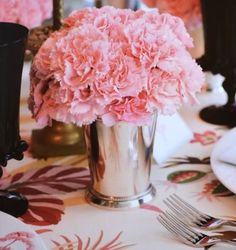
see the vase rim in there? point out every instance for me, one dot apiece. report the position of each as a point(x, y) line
point(154, 116)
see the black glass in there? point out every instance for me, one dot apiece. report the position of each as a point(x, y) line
point(13, 38)
point(219, 23)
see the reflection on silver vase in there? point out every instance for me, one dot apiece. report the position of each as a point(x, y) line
point(120, 162)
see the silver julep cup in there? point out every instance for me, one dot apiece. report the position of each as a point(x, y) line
point(120, 163)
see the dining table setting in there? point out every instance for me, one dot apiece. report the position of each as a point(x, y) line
point(59, 217)
point(112, 136)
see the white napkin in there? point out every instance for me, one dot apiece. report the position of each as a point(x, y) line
point(214, 82)
point(171, 133)
point(229, 155)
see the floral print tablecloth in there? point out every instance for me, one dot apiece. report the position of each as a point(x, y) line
point(60, 215)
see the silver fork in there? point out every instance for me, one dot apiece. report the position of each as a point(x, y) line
point(193, 216)
point(188, 235)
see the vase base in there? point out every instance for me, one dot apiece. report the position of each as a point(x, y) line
point(220, 115)
point(120, 202)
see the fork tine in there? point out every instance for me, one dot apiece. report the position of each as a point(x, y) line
point(182, 211)
point(191, 232)
point(188, 207)
point(180, 229)
point(166, 225)
point(183, 205)
point(172, 228)
point(186, 234)
point(176, 208)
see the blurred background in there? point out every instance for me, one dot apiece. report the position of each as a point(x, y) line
point(76, 4)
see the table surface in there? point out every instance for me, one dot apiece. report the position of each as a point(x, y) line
point(55, 189)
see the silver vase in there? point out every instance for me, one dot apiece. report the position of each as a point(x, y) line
point(120, 162)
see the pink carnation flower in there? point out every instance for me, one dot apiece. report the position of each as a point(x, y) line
point(114, 65)
point(188, 10)
point(30, 13)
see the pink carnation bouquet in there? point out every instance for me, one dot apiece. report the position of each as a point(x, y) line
point(114, 65)
point(30, 13)
point(188, 10)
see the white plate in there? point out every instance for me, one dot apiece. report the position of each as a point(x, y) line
point(226, 173)
point(13, 230)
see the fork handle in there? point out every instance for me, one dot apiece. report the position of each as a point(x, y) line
point(231, 242)
point(227, 236)
point(230, 223)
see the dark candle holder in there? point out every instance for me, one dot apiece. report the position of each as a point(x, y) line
point(13, 39)
point(219, 23)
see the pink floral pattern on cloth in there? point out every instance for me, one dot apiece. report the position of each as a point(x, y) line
point(188, 10)
point(206, 138)
point(42, 188)
point(9, 241)
point(30, 13)
point(79, 244)
point(113, 64)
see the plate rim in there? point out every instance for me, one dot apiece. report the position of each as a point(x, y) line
point(25, 227)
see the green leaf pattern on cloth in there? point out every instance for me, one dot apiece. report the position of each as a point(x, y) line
point(187, 176)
